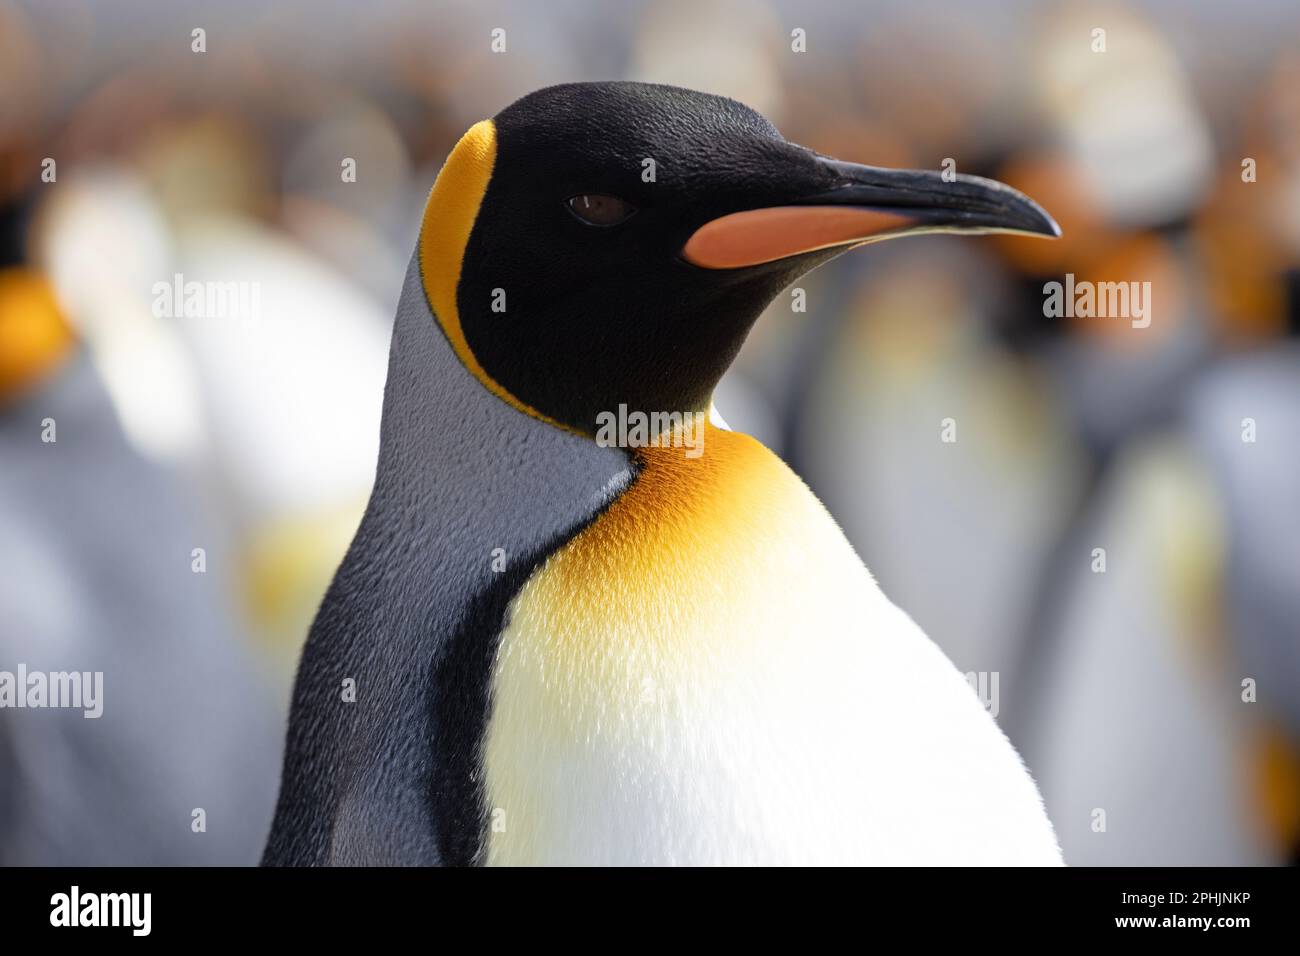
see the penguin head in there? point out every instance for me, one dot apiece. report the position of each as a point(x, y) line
point(606, 244)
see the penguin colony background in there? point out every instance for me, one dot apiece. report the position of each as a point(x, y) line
point(594, 625)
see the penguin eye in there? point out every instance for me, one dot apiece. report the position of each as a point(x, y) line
point(597, 210)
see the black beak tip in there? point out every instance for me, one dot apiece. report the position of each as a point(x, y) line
point(1012, 209)
point(1045, 225)
point(963, 204)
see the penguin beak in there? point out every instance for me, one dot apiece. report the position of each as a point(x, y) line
point(868, 204)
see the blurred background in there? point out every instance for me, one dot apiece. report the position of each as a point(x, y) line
point(209, 470)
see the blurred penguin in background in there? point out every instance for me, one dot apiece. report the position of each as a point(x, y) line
point(109, 570)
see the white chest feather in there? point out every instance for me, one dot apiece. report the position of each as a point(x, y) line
point(709, 675)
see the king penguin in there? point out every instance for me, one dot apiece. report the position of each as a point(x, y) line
point(547, 648)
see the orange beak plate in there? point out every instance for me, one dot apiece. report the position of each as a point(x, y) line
point(756, 236)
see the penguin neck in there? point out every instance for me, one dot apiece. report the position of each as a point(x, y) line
point(444, 433)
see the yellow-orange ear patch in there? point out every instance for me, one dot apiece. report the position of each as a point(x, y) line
point(449, 218)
